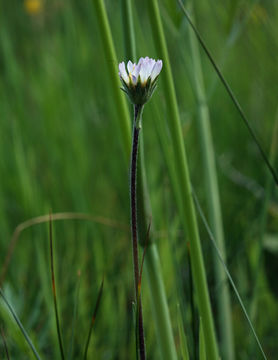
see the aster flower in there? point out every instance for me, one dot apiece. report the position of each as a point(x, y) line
point(139, 81)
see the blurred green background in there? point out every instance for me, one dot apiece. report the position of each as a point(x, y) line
point(61, 152)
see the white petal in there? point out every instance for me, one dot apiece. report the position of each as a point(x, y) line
point(130, 67)
point(141, 60)
point(136, 70)
point(123, 73)
point(143, 74)
point(150, 66)
point(146, 67)
point(134, 79)
point(156, 70)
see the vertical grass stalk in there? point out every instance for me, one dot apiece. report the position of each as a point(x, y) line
point(111, 58)
point(229, 276)
point(263, 222)
point(213, 201)
point(54, 290)
point(231, 94)
point(93, 319)
point(19, 324)
point(181, 166)
point(128, 30)
point(5, 344)
point(158, 297)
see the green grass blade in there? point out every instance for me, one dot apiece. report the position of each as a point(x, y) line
point(75, 310)
point(5, 344)
point(213, 202)
point(263, 222)
point(18, 322)
point(54, 290)
point(182, 336)
point(231, 94)
point(93, 319)
point(211, 236)
point(202, 345)
point(181, 167)
point(112, 66)
point(128, 30)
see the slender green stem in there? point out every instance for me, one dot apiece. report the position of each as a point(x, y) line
point(189, 215)
point(213, 200)
point(54, 290)
point(93, 319)
point(133, 173)
point(73, 327)
point(9, 306)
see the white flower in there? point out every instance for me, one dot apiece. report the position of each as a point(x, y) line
point(139, 80)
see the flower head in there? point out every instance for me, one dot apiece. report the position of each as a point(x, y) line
point(139, 81)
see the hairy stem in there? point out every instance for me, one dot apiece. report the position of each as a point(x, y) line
point(133, 172)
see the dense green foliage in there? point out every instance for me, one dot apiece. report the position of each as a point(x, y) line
point(61, 152)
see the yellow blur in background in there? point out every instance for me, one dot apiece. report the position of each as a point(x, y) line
point(33, 7)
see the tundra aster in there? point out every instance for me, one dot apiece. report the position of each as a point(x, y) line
point(139, 81)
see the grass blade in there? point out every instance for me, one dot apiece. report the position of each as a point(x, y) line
point(74, 316)
point(230, 92)
point(182, 336)
point(202, 345)
point(193, 309)
point(213, 201)
point(9, 306)
point(188, 214)
point(5, 344)
point(143, 259)
point(128, 30)
point(54, 289)
point(93, 319)
point(228, 274)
